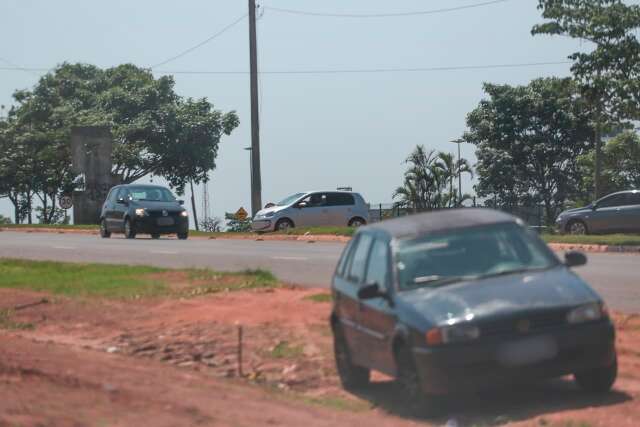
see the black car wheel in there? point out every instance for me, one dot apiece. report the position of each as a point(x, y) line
point(284, 224)
point(104, 231)
point(129, 231)
point(155, 236)
point(183, 236)
point(410, 388)
point(357, 222)
point(598, 380)
point(577, 227)
point(351, 376)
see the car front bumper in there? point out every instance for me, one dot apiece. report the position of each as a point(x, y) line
point(150, 225)
point(483, 365)
point(262, 225)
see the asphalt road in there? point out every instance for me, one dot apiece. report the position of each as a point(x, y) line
point(615, 276)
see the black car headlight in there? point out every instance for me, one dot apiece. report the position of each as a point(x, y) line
point(141, 212)
point(587, 313)
point(463, 332)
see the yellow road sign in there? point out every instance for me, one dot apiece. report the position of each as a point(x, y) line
point(241, 214)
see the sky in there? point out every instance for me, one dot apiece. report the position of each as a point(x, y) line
point(318, 131)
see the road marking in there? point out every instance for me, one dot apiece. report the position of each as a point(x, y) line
point(165, 252)
point(63, 247)
point(290, 258)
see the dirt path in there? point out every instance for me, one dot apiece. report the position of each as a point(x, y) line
point(174, 362)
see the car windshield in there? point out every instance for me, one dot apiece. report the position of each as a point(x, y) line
point(470, 253)
point(151, 194)
point(290, 199)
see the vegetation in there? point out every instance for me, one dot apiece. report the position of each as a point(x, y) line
point(285, 350)
point(320, 297)
point(154, 130)
point(123, 281)
point(4, 220)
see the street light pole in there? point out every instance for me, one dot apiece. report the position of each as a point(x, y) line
point(458, 142)
point(256, 182)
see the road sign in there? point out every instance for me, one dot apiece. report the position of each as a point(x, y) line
point(241, 214)
point(66, 202)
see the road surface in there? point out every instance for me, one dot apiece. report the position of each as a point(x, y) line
point(615, 276)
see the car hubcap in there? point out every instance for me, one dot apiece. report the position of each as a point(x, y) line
point(577, 228)
point(283, 226)
point(103, 227)
point(356, 223)
point(127, 228)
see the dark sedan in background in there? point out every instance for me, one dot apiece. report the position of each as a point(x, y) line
point(143, 209)
point(615, 213)
point(458, 300)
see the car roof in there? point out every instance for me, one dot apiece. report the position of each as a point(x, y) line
point(441, 220)
point(141, 185)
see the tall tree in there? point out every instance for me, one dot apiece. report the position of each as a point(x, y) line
point(528, 139)
point(609, 73)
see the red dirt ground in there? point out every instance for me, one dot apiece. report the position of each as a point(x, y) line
point(174, 362)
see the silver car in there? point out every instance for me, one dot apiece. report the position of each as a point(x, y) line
point(313, 209)
point(615, 213)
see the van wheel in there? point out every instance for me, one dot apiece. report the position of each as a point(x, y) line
point(577, 227)
point(351, 376)
point(598, 380)
point(284, 224)
point(357, 222)
point(183, 236)
point(104, 231)
point(129, 231)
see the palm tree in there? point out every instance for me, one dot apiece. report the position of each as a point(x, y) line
point(422, 181)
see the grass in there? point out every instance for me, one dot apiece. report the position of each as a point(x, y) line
point(122, 281)
point(319, 298)
point(54, 226)
point(285, 350)
point(605, 239)
point(7, 323)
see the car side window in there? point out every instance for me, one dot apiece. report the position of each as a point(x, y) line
point(378, 268)
point(340, 199)
point(613, 201)
point(346, 256)
point(633, 199)
point(359, 258)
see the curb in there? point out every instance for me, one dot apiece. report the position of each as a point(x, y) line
point(594, 248)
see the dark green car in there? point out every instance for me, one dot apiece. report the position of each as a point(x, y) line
point(460, 300)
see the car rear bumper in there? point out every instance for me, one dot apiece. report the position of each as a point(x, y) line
point(149, 225)
point(492, 363)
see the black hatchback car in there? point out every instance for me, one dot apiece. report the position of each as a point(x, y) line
point(458, 300)
point(148, 209)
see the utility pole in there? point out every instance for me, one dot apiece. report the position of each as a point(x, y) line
point(256, 182)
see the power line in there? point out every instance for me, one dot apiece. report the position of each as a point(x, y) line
point(202, 43)
point(383, 15)
point(345, 71)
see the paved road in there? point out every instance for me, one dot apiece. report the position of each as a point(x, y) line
point(615, 276)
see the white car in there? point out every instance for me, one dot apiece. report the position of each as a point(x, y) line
point(313, 209)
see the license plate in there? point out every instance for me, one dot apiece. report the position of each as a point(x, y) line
point(528, 351)
point(165, 221)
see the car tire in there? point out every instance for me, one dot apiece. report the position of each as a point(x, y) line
point(155, 236)
point(129, 230)
point(104, 231)
point(410, 388)
point(183, 236)
point(357, 222)
point(352, 377)
point(284, 224)
point(598, 380)
point(577, 227)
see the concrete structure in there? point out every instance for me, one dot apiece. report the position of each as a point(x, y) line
point(91, 148)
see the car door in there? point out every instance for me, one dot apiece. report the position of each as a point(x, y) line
point(314, 213)
point(377, 317)
point(346, 288)
point(630, 213)
point(606, 217)
point(109, 208)
point(340, 209)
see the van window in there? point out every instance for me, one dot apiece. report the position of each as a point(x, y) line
point(340, 199)
point(359, 258)
point(378, 269)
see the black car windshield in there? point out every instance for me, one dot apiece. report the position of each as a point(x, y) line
point(151, 194)
point(290, 199)
point(476, 252)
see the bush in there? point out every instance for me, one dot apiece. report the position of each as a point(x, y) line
point(4, 220)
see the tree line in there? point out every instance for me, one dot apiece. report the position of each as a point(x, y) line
point(155, 131)
point(542, 143)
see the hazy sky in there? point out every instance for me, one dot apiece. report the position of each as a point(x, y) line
point(318, 131)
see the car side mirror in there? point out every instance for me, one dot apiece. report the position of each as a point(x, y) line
point(302, 205)
point(121, 201)
point(574, 259)
point(370, 291)
point(594, 207)
point(181, 202)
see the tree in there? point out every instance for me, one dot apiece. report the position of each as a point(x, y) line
point(609, 75)
point(528, 139)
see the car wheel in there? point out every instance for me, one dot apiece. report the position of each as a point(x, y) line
point(598, 380)
point(284, 224)
point(104, 231)
point(352, 377)
point(155, 236)
point(577, 227)
point(129, 231)
point(410, 388)
point(357, 222)
point(183, 236)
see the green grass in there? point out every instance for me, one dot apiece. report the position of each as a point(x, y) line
point(285, 350)
point(319, 298)
point(7, 323)
point(605, 239)
point(121, 281)
point(54, 226)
